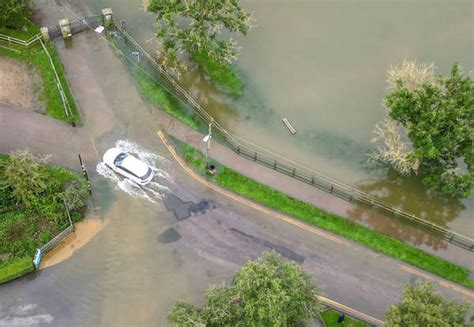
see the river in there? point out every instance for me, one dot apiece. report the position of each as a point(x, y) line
point(323, 66)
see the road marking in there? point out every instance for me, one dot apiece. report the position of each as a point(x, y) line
point(350, 311)
point(287, 219)
point(243, 200)
point(292, 221)
point(442, 282)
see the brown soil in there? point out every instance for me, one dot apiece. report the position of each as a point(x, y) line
point(20, 85)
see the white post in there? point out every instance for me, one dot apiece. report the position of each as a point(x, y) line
point(207, 143)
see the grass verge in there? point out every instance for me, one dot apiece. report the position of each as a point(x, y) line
point(35, 57)
point(274, 199)
point(330, 317)
point(158, 97)
point(32, 209)
point(15, 268)
point(223, 75)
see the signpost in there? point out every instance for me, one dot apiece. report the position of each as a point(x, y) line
point(37, 258)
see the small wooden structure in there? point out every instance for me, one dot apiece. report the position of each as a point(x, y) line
point(288, 125)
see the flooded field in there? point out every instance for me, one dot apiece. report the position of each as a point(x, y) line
point(323, 66)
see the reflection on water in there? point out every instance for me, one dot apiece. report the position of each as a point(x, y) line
point(388, 185)
point(323, 66)
point(438, 208)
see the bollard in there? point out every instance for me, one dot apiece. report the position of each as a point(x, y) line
point(45, 33)
point(65, 28)
point(107, 17)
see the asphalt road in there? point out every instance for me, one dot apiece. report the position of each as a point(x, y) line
point(145, 258)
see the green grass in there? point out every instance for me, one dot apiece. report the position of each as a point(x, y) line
point(330, 317)
point(30, 225)
point(158, 97)
point(223, 75)
point(36, 58)
point(15, 268)
point(274, 199)
point(23, 28)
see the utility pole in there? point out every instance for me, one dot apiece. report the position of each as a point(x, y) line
point(207, 143)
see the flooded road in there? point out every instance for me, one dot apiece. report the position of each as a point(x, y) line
point(169, 245)
point(323, 66)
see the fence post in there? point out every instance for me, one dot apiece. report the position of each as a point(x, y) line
point(84, 172)
point(312, 180)
point(332, 188)
point(68, 215)
point(255, 157)
point(238, 149)
point(294, 172)
point(275, 165)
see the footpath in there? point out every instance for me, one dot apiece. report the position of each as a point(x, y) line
point(24, 129)
point(370, 218)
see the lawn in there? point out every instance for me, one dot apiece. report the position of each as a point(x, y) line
point(160, 98)
point(330, 320)
point(274, 199)
point(35, 57)
point(31, 218)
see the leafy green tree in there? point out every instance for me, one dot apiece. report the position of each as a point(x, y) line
point(265, 292)
point(422, 306)
point(10, 10)
point(184, 314)
point(438, 115)
point(24, 175)
point(73, 196)
point(187, 27)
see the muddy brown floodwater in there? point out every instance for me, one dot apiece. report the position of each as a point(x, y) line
point(323, 65)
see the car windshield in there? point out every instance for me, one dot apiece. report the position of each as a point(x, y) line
point(120, 158)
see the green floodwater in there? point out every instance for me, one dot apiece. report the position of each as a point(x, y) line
point(322, 64)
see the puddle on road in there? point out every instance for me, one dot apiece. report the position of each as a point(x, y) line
point(151, 192)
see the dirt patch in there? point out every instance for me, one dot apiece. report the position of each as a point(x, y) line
point(85, 231)
point(20, 85)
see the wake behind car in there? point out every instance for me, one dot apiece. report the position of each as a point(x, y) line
point(128, 166)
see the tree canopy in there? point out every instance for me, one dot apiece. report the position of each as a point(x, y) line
point(437, 114)
point(423, 306)
point(10, 10)
point(265, 292)
point(187, 27)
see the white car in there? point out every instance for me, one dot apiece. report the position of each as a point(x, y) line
point(128, 166)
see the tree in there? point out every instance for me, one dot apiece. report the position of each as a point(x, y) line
point(265, 292)
point(24, 175)
point(185, 315)
point(438, 115)
point(10, 10)
point(187, 27)
point(423, 306)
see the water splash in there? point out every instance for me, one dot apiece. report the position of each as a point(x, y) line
point(151, 192)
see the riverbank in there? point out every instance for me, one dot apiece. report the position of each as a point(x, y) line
point(35, 56)
point(274, 199)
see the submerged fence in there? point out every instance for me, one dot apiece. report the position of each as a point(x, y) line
point(140, 59)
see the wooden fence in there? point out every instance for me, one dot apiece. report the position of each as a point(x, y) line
point(309, 176)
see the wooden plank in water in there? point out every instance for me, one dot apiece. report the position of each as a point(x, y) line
point(287, 124)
